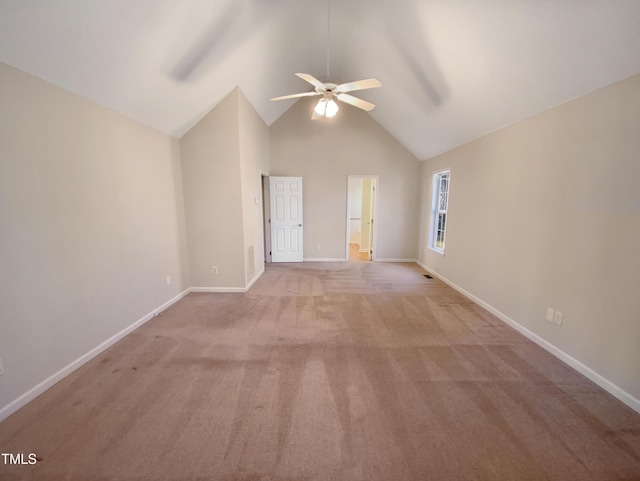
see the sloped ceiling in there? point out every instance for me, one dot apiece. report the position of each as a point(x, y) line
point(452, 70)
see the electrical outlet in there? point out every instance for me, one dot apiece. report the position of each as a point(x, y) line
point(1, 367)
point(168, 280)
point(557, 318)
point(214, 270)
point(318, 246)
point(550, 313)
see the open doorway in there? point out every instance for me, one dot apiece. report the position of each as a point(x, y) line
point(361, 209)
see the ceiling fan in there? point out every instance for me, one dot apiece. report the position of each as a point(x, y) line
point(330, 92)
point(327, 107)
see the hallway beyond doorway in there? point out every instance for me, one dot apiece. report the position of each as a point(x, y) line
point(356, 256)
point(361, 209)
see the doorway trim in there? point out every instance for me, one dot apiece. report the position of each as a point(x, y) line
point(266, 216)
point(375, 213)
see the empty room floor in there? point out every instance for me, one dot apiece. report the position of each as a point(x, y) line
point(325, 371)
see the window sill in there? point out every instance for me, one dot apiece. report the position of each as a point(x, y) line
point(437, 251)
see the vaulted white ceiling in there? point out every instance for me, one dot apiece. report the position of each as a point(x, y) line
point(452, 70)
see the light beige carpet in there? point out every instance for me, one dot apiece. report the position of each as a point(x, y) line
point(341, 371)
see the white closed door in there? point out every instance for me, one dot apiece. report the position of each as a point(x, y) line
point(286, 219)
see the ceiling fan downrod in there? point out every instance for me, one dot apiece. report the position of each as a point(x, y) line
point(330, 92)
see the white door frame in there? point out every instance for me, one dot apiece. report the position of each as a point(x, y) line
point(375, 213)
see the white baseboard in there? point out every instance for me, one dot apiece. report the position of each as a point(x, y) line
point(34, 392)
point(325, 259)
point(219, 290)
point(222, 290)
point(255, 279)
point(339, 259)
point(394, 260)
point(583, 369)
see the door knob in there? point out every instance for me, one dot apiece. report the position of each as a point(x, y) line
point(299, 225)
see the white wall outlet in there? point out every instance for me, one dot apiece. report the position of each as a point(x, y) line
point(318, 246)
point(168, 280)
point(214, 270)
point(550, 313)
point(557, 318)
point(1, 367)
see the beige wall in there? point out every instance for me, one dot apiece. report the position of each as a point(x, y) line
point(324, 152)
point(254, 161)
point(210, 154)
point(91, 224)
point(546, 213)
point(222, 158)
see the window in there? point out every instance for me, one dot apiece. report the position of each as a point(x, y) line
point(439, 209)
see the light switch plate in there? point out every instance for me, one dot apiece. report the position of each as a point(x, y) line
point(550, 313)
point(557, 318)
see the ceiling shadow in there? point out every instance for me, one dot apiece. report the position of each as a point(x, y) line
point(227, 30)
point(395, 30)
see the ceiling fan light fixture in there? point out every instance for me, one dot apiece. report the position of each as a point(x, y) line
point(326, 107)
point(331, 109)
point(321, 107)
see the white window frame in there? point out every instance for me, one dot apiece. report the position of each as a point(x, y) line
point(436, 212)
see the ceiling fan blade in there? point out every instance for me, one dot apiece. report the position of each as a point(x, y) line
point(356, 102)
point(212, 41)
point(295, 96)
point(312, 80)
point(369, 83)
